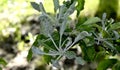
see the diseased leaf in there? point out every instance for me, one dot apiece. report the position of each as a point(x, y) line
point(80, 6)
point(92, 20)
point(79, 60)
point(56, 5)
point(29, 56)
point(103, 65)
point(3, 62)
point(35, 6)
point(70, 54)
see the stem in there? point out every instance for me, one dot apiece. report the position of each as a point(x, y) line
point(67, 48)
point(53, 42)
point(60, 42)
point(64, 42)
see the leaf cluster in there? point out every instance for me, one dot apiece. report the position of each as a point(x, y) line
point(96, 37)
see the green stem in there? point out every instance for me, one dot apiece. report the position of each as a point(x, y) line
point(53, 42)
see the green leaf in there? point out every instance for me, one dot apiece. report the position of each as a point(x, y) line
point(92, 20)
point(53, 53)
point(69, 42)
point(36, 50)
point(70, 10)
point(80, 6)
point(46, 25)
point(109, 45)
point(103, 65)
point(3, 62)
point(0, 68)
point(115, 26)
point(81, 35)
point(116, 66)
point(56, 5)
point(55, 63)
point(88, 52)
point(117, 36)
point(35, 6)
point(63, 27)
point(29, 56)
point(38, 40)
point(100, 55)
point(79, 60)
point(70, 54)
point(47, 58)
point(42, 8)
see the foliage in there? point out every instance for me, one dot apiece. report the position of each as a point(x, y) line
point(2, 62)
point(97, 38)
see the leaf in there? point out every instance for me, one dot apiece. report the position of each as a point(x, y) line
point(115, 26)
point(79, 60)
point(53, 53)
point(36, 50)
point(35, 6)
point(3, 62)
point(63, 27)
point(88, 52)
point(70, 10)
point(100, 55)
point(117, 36)
point(92, 20)
point(42, 8)
point(61, 12)
point(103, 65)
point(29, 56)
point(46, 25)
point(109, 45)
point(0, 68)
point(116, 66)
point(38, 40)
point(55, 63)
point(70, 54)
point(80, 6)
point(69, 42)
point(81, 35)
point(56, 5)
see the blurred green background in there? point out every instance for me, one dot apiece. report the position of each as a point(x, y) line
point(19, 24)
